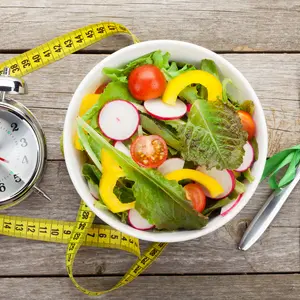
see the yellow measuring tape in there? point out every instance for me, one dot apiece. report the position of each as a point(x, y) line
point(83, 231)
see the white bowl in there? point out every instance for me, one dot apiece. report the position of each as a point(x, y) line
point(181, 52)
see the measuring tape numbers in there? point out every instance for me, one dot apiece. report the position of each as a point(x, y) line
point(82, 232)
point(62, 46)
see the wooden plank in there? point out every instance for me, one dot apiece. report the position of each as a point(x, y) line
point(274, 77)
point(218, 25)
point(247, 287)
point(277, 251)
point(58, 185)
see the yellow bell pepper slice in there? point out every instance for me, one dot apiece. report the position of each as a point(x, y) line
point(206, 181)
point(87, 102)
point(177, 84)
point(110, 174)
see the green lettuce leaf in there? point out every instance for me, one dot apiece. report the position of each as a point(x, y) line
point(209, 66)
point(226, 98)
point(254, 145)
point(247, 175)
point(239, 187)
point(156, 58)
point(220, 203)
point(173, 70)
point(248, 106)
point(213, 136)
point(159, 128)
point(91, 173)
point(189, 94)
point(160, 201)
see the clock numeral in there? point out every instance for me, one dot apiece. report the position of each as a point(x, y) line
point(17, 178)
point(25, 160)
point(23, 142)
point(2, 188)
point(14, 126)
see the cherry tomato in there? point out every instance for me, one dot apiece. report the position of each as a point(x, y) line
point(195, 194)
point(101, 88)
point(149, 151)
point(248, 123)
point(146, 82)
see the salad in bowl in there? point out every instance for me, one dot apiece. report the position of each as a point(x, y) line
point(162, 147)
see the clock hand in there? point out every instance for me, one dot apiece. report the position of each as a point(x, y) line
point(4, 160)
point(37, 190)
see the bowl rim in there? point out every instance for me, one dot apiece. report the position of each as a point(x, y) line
point(174, 236)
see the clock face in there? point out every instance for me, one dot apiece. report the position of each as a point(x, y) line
point(19, 151)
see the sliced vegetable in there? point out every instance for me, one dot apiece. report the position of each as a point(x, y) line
point(248, 123)
point(214, 188)
point(227, 208)
point(170, 165)
point(111, 173)
point(189, 107)
point(195, 194)
point(162, 202)
point(121, 147)
point(137, 221)
point(87, 102)
point(159, 128)
point(177, 84)
point(163, 111)
point(119, 120)
point(224, 177)
point(146, 82)
point(94, 189)
point(248, 158)
point(149, 151)
point(101, 88)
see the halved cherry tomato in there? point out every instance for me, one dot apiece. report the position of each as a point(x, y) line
point(195, 194)
point(149, 151)
point(146, 82)
point(101, 88)
point(248, 123)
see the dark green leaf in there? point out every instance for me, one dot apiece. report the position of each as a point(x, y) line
point(160, 201)
point(91, 173)
point(213, 136)
point(248, 106)
point(155, 127)
point(254, 145)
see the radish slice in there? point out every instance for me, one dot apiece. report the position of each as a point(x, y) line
point(163, 111)
point(224, 177)
point(121, 147)
point(94, 190)
point(248, 158)
point(170, 165)
point(118, 120)
point(137, 221)
point(227, 208)
point(189, 107)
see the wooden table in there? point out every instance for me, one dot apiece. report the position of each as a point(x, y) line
point(262, 39)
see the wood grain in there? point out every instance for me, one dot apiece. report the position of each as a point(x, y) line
point(219, 25)
point(266, 287)
point(274, 77)
point(277, 251)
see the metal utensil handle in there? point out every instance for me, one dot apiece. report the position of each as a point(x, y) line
point(267, 214)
